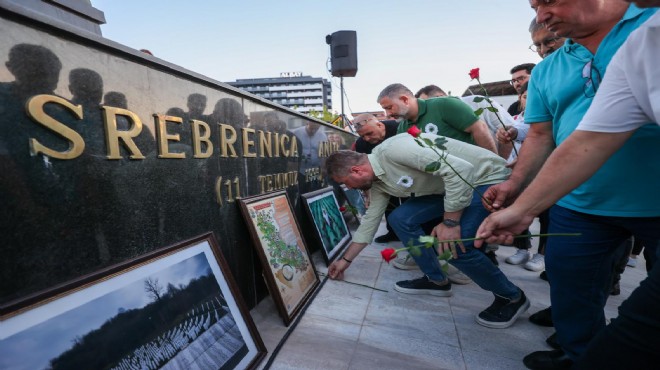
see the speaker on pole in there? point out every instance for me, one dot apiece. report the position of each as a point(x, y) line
point(343, 53)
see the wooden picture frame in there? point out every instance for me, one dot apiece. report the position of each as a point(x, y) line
point(178, 306)
point(332, 232)
point(288, 269)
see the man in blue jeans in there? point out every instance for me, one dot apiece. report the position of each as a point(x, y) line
point(618, 200)
point(397, 167)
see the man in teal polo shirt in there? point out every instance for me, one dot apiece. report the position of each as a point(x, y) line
point(620, 199)
point(448, 116)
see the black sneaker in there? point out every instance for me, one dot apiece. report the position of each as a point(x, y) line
point(423, 286)
point(389, 237)
point(542, 318)
point(503, 312)
point(552, 341)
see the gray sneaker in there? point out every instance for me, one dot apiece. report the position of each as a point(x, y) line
point(423, 286)
point(455, 275)
point(405, 262)
point(537, 263)
point(521, 256)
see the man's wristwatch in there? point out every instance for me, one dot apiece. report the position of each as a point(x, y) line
point(450, 223)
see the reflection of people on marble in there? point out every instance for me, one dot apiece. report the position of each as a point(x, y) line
point(115, 99)
point(95, 172)
point(145, 141)
point(310, 138)
point(196, 107)
point(229, 112)
point(36, 192)
point(337, 139)
point(86, 86)
point(131, 191)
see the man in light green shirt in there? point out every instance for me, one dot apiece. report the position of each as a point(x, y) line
point(397, 168)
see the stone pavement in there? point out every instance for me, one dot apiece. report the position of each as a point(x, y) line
point(348, 326)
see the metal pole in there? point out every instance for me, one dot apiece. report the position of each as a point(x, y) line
point(341, 91)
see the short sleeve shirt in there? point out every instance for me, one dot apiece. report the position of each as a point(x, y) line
point(629, 96)
point(444, 116)
point(626, 185)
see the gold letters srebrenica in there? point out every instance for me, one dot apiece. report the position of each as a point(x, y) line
point(270, 144)
point(254, 143)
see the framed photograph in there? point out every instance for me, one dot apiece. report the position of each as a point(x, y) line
point(177, 307)
point(331, 230)
point(355, 202)
point(288, 270)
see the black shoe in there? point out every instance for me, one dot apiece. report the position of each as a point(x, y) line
point(616, 289)
point(552, 341)
point(503, 312)
point(492, 257)
point(542, 318)
point(423, 286)
point(544, 276)
point(555, 359)
point(389, 237)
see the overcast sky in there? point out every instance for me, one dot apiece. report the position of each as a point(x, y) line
point(413, 42)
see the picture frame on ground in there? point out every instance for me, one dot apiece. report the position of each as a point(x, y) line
point(288, 269)
point(177, 307)
point(354, 200)
point(331, 231)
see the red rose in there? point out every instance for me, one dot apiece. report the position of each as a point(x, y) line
point(388, 254)
point(342, 209)
point(474, 73)
point(414, 131)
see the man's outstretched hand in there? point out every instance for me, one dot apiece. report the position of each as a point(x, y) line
point(501, 226)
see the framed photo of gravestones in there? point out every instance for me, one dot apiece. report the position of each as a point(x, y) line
point(288, 269)
point(177, 307)
point(331, 230)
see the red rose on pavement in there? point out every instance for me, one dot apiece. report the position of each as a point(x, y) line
point(474, 73)
point(414, 131)
point(342, 209)
point(388, 254)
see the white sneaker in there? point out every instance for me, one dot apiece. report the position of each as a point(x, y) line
point(405, 262)
point(537, 263)
point(455, 275)
point(632, 262)
point(521, 256)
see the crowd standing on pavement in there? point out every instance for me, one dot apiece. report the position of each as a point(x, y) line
point(586, 123)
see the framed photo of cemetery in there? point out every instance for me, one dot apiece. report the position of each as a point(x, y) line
point(331, 231)
point(177, 307)
point(289, 272)
point(355, 202)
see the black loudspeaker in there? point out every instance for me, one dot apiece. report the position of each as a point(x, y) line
point(343, 53)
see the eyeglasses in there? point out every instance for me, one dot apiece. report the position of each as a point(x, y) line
point(519, 80)
point(548, 43)
point(592, 76)
point(358, 125)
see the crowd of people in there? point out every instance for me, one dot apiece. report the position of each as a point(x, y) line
point(585, 162)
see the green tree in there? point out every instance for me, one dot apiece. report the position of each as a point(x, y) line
point(325, 116)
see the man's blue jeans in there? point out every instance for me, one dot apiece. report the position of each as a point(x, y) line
point(579, 269)
point(407, 221)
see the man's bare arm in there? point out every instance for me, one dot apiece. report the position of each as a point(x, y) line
point(482, 136)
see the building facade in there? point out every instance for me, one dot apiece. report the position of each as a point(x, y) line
point(292, 90)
